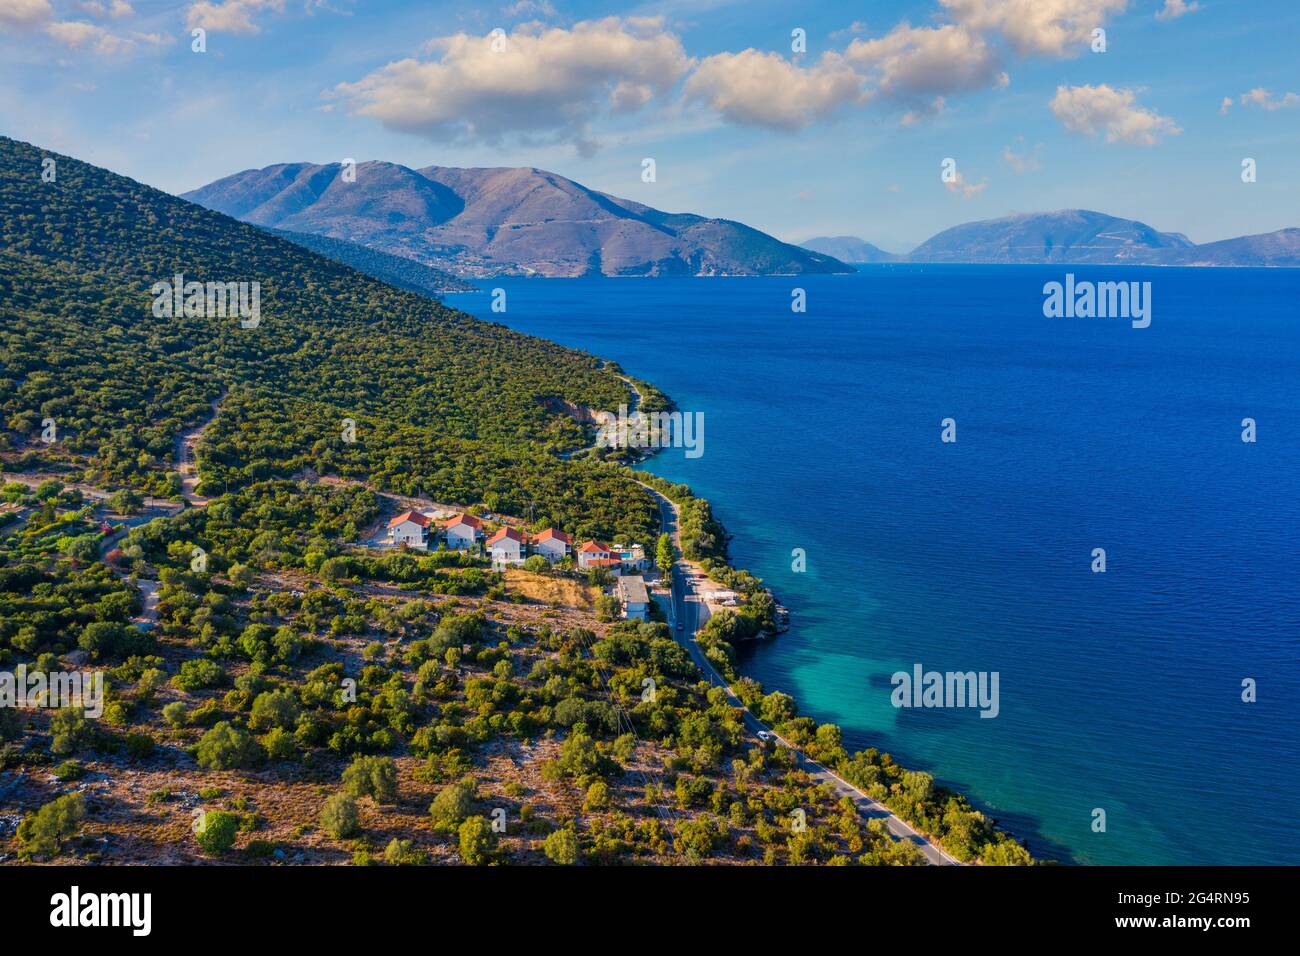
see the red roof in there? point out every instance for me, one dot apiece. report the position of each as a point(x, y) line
point(505, 531)
point(463, 519)
point(421, 520)
point(592, 547)
point(551, 534)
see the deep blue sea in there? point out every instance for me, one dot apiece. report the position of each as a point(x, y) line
point(1120, 691)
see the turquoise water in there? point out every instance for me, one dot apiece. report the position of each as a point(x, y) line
point(1119, 691)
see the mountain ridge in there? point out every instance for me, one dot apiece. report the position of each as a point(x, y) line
point(482, 221)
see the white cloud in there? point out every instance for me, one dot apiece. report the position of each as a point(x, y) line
point(80, 35)
point(1265, 100)
point(121, 9)
point(1051, 27)
point(24, 13)
point(542, 82)
point(1094, 109)
point(764, 89)
point(229, 16)
point(966, 190)
point(1226, 104)
point(911, 62)
point(1025, 162)
point(1173, 9)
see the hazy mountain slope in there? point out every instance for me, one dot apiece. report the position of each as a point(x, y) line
point(395, 270)
point(849, 249)
point(1276, 249)
point(1071, 235)
point(511, 221)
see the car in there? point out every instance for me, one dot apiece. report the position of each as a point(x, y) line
point(766, 735)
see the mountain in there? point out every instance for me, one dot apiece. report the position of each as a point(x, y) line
point(502, 221)
point(1075, 236)
point(1279, 249)
point(1072, 235)
point(849, 249)
point(395, 270)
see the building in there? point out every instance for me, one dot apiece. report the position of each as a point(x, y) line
point(631, 557)
point(551, 544)
point(462, 532)
point(410, 528)
point(507, 546)
point(591, 551)
point(633, 596)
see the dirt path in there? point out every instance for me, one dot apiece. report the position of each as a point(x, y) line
point(187, 465)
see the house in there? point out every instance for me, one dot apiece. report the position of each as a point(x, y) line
point(507, 546)
point(630, 556)
point(590, 551)
point(634, 597)
point(552, 545)
point(462, 532)
point(410, 528)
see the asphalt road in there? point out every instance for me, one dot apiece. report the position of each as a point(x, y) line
point(688, 613)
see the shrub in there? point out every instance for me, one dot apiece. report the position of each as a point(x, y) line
point(372, 777)
point(597, 796)
point(476, 842)
point(198, 674)
point(43, 832)
point(339, 817)
point(139, 746)
point(71, 731)
point(453, 804)
point(561, 847)
point(174, 713)
point(215, 831)
point(278, 708)
point(227, 748)
point(280, 744)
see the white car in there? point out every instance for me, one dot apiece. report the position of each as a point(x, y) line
point(766, 735)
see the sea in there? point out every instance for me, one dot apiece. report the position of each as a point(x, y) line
point(1147, 713)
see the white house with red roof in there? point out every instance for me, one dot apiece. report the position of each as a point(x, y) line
point(551, 544)
point(594, 554)
point(462, 532)
point(410, 528)
point(507, 546)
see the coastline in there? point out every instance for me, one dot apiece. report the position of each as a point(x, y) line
point(719, 668)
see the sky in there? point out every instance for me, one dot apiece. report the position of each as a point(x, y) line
point(800, 119)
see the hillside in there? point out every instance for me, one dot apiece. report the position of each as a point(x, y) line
point(393, 270)
point(849, 249)
point(504, 221)
point(1075, 236)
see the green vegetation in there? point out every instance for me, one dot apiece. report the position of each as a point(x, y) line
point(216, 831)
point(44, 832)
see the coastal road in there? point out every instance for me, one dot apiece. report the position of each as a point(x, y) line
point(687, 612)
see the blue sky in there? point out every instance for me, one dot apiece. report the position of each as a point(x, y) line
point(845, 138)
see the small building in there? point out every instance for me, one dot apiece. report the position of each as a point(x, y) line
point(590, 551)
point(507, 546)
point(630, 556)
point(551, 544)
point(633, 596)
point(462, 532)
point(410, 528)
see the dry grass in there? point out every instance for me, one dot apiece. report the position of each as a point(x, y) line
point(558, 592)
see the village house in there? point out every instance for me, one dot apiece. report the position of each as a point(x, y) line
point(507, 546)
point(551, 544)
point(634, 598)
point(462, 532)
point(631, 557)
point(593, 551)
point(410, 528)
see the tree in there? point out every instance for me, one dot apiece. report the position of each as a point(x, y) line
point(339, 817)
point(476, 842)
point(226, 747)
point(216, 831)
point(597, 796)
point(374, 777)
point(277, 708)
point(125, 501)
point(664, 554)
point(42, 833)
point(71, 731)
point(561, 847)
point(453, 804)
point(537, 564)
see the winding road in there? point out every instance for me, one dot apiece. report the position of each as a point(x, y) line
point(687, 612)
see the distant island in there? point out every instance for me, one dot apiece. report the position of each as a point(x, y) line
point(1073, 236)
point(503, 221)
